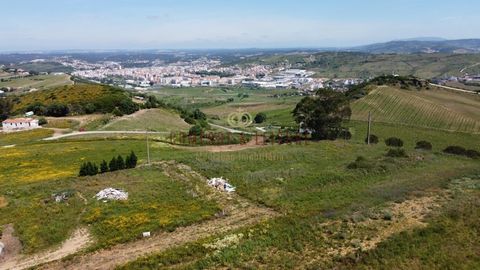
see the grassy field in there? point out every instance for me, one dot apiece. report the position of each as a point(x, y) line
point(449, 242)
point(311, 185)
point(155, 203)
point(436, 109)
point(62, 123)
point(153, 119)
point(23, 137)
point(40, 82)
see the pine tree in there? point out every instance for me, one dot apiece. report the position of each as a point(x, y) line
point(113, 165)
point(103, 167)
point(133, 160)
point(83, 170)
point(120, 163)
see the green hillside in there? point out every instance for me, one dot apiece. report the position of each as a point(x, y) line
point(79, 98)
point(436, 109)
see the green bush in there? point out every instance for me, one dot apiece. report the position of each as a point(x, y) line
point(345, 134)
point(373, 139)
point(472, 154)
point(361, 163)
point(42, 121)
point(424, 145)
point(455, 150)
point(260, 118)
point(117, 112)
point(394, 142)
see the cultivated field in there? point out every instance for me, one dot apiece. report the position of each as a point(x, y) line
point(436, 109)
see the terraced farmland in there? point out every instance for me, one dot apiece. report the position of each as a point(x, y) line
point(413, 108)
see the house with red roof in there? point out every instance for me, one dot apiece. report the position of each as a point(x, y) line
point(17, 124)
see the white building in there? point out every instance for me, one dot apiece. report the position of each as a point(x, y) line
point(20, 124)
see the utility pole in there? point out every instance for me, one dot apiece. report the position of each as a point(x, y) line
point(369, 127)
point(148, 148)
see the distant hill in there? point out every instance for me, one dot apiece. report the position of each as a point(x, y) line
point(422, 45)
point(365, 65)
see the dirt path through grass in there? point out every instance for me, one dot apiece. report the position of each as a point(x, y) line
point(79, 240)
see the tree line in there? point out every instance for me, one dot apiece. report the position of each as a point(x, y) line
point(116, 164)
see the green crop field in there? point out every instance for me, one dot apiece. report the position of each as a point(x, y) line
point(153, 119)
point(433, 109)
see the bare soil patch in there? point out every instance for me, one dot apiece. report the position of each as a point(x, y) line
point(78, 241)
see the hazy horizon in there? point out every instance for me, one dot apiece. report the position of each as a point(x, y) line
point(108, 25)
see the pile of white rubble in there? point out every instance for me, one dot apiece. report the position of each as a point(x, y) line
point(221, 184)
point(112, 194)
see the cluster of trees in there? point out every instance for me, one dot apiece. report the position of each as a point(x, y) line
point(115, 164)
point(56, 109)
point(323, 114)
point(6, 106)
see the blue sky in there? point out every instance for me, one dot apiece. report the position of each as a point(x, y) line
point(175, 24)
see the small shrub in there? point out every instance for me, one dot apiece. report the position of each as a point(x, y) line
point(396, 152)
point(455, 150)
point(361, 163)
point(472, 154)
point(394, 142)
point(260, 118)
point(117, 112)
point(345, 134)
point(190, 120)
point(423, 145)
point(373, 139)
point(42, 121)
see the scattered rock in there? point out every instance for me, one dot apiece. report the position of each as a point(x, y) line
point(61, 196)
point(221, 184)
point(112, 194)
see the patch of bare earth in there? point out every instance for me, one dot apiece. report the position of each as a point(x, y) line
point(236, 212)
point(79, 240)
point(12, 246)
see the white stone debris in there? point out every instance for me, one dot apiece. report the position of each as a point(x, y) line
point(221, 184)
point(2, 246)
point(146, 234)
point(112, 194)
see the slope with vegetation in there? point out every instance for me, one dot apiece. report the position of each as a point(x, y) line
point(433, 108)
point(75, 99)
